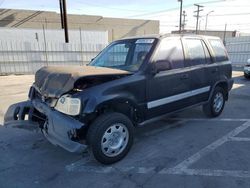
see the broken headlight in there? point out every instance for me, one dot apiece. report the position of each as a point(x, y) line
point(68, 105)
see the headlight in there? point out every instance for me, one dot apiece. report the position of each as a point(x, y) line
point(68, 105)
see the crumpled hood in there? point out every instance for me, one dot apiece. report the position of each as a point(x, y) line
point(55, 81)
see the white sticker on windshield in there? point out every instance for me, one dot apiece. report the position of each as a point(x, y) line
point(145, 41)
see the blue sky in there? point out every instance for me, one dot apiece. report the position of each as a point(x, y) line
point(166, 11)
point(118, 8)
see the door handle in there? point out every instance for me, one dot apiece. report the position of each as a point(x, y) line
point(184, 76)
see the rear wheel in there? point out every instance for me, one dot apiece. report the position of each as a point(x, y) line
point(110, 137)
point(246, 76)
point(216, 104)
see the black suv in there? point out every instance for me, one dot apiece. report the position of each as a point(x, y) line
point(131, 81)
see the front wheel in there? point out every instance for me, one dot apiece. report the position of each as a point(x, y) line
point(110, 137)
point(215, 105)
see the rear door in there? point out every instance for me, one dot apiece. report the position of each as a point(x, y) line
point(166, 91)
point(212, 68)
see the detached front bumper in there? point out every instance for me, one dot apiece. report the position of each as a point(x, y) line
point(57, 128)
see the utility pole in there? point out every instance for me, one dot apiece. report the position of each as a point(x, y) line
point(64, 19)
point(197, 16)
point(184, 14)
point(224, 35)
point(61, 12)
point(180, 15)
point(206, 20)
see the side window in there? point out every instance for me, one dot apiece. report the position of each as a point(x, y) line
point(171, 51)
point(195, 52)
point(219, 50)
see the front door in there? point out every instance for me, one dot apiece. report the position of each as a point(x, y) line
point(167, 90)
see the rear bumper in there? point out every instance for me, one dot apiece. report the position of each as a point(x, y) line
point(57, 128)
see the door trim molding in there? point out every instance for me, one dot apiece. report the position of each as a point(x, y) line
point(177, 97)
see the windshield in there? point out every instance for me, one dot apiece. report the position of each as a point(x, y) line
point(125, 55)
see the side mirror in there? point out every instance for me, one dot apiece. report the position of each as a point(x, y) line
point(159, 66)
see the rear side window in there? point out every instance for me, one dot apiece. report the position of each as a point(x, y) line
point(170, 50)
point(195, 52)
point(219, 50)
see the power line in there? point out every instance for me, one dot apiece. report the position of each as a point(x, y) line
point(232, 14)
point(175, 8)
point(2, 2)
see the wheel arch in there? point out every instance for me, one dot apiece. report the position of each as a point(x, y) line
point(223, 84)
point(120, 105)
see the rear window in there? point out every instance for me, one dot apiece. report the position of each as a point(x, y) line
point(219, 50)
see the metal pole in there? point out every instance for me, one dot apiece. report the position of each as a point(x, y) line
point(61, 13)
point(206, 21)
point(45, 45)
point(81, 43)
point(206, 24)
point(65, 21)
point(180, 15)
point(199, 26)
point(224, 35)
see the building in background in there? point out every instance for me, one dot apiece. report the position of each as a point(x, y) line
point(222, 34)
point(116, 27)
point(30, 40)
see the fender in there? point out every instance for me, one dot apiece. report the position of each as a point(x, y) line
point(227, 82)
point(94, 103)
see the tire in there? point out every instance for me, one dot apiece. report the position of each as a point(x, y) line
point(246, 76)
point(216, 104)
point(110, 137)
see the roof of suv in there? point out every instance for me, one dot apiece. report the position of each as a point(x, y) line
point(159, 36)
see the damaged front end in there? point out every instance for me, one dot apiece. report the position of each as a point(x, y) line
point(52, 106)
point(58, 128)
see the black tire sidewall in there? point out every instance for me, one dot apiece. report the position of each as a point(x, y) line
point(246, 76)
point(98, 128)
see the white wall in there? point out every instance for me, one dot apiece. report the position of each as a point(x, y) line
point(88, 37)
point(22, 53)
point(238, 49)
